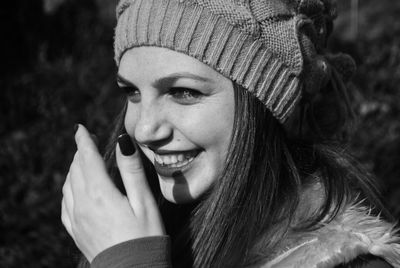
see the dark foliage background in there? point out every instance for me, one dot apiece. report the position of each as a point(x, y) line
point(57, 69)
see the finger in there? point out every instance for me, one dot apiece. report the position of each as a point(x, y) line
point(77, 180)
point(75, 176)
point(132, 173)
point(91, 163)
point(65, 219)
point(67, 194)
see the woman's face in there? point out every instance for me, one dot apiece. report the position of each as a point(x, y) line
point(181, 115)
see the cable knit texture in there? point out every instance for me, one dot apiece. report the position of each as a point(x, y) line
point(272, 48)
point(259, 44)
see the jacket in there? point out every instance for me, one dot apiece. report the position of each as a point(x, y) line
point(353, 232)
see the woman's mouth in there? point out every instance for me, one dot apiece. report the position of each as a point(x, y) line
point(167, 163)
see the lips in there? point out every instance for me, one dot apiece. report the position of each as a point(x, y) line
point(168, 163)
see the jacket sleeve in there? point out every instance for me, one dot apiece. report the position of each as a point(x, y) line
point(142, 252)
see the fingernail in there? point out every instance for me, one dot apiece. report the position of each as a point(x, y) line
point(126, 145)
point(76, 126)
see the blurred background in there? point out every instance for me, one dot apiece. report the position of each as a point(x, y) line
point(57, 69)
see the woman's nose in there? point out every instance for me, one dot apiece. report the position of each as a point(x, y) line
point(152, 125)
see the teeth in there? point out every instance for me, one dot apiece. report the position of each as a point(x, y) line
point(166, 159)
point(174, 160)
point(158, 159)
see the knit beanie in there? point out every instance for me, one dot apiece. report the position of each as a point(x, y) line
point(269, 47)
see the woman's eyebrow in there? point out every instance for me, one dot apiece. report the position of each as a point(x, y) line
point(171, 78)
point(122, 80)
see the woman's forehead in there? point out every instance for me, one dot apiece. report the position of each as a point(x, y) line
point(160, 62)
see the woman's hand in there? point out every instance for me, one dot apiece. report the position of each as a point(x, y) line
point(94, 212)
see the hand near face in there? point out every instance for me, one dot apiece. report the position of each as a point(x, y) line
point(94, 212)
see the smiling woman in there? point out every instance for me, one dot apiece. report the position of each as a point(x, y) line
point(228, 151)
point(178, 117)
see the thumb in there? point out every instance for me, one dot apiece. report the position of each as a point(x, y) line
point(133, 174)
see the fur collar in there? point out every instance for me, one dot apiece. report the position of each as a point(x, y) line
point(353, 232)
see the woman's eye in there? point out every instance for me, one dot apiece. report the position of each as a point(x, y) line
point(133, 94)
point(185, 94)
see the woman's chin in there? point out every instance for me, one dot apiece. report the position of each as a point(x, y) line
point(175, 192)
point(187, 185)
point(179, 200)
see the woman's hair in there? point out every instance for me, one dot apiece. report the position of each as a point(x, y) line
point(253, 203)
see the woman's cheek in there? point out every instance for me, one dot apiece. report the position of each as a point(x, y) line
point(213, 120)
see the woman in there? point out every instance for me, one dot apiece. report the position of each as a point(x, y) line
point(228, 145)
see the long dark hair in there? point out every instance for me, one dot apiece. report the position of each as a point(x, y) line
point(252, 205)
